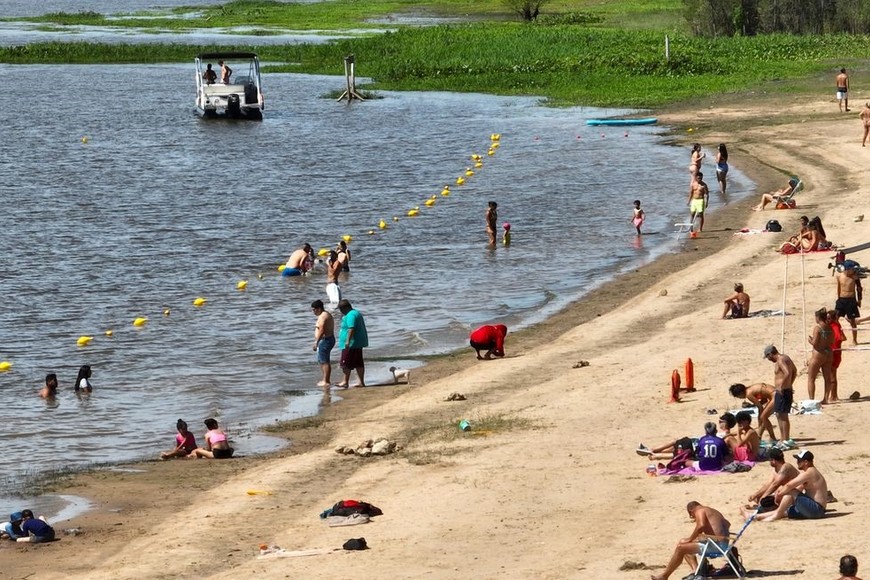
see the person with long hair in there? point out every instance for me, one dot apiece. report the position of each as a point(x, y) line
point(721, 166)
point(217, 445)
point(185, 442)
point(83, 384)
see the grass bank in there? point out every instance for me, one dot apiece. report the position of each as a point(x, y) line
point(565, 64)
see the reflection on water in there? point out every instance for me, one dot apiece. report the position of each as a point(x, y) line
point(157, 207)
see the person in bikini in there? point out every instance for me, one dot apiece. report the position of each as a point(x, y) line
point(849, 293)
point(737, 305)
point(804, 497)
point(767, 198)
point(821, 358)
point(695, 162)
point(217, 446)
point(699, 197)
point(865, 120)
point(709, 523)
point(762, 396)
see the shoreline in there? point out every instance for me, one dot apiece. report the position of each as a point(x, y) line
point(385, 411)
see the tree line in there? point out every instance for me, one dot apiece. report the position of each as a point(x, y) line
point(751, 17)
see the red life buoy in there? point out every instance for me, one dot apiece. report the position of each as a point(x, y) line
point(690, 375)
point(675, 386)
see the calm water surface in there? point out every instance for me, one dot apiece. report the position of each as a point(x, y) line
point(159, 207)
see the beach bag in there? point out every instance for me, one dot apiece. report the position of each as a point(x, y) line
point(767, 504)
point(349, 507)
point(773, 226)
point(680, 460)
point(355, 544)
point(788, 249)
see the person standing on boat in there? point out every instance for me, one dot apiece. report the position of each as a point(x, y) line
point(209, 76)
point(226, 72)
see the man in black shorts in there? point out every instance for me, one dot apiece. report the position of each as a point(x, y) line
point(784, 375)
point(849, 295)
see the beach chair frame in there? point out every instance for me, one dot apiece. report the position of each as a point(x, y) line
point(712, 550)
point(787, 201)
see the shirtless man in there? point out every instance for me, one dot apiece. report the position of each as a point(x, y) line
point(784, 376)
point(821, 357)
point(848, 568)
point(762, 396)
point(737, 305)
point(226, 72)
point(49, 391)
point(209, 76)
point(843, 90)
point(491, 219)
point(299, 262)
point(804, 497)
point(864, 115)
point(324, 340)
point(699, 197)
point(709, 523)
point(849, 295)
point(334, 267)
point(783, 472)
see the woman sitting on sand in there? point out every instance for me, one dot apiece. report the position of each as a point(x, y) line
point(811, 240)
point(216, 444)
point(767, 198)
point(185, 442)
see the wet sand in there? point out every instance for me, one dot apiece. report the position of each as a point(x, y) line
point(546, 485)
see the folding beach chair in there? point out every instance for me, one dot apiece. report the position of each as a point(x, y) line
point(712, 550)
point(787, 201)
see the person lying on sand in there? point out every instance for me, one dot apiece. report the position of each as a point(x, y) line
point(709, 523)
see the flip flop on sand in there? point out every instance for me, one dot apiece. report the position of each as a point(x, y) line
point(643, 450)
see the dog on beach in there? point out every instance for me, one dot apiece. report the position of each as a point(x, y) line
point(400, 374)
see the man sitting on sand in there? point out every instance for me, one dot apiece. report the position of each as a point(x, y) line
point(783, 472)
point(848, 568)
point(709, 523)
point(762, 396)
point(776, 196)
point(736, 305)
point(804, 497)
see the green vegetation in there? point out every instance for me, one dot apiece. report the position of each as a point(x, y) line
point(566, 64)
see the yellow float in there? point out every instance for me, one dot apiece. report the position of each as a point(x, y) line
point(347, 239)
point(382, 224)
point(140, 321)
point(478, 165)
point(469, 172)
point(5, 366)
point(429, 202)
point(110, 332)
point(446, 191)
point(460, 180)
point(281, 267)
point(413, 212)
point(241, 285)
point(84, 340)
point(323, 252)
point(395, 218)
point(199, 302)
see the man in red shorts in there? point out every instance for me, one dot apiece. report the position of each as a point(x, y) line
point(489, 338)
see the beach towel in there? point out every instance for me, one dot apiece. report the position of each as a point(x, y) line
point(747, 465)
point(766, 313)
point(276, 552)
point(351, 520)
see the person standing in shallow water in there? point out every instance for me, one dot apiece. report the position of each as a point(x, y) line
point(721, 166)
point(699, 197)
point(491, 219)
point(638, 217)
point(324, 341)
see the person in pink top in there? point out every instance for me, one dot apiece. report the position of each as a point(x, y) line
point(185, 442)
point(217, 446)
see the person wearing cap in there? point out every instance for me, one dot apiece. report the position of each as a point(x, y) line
point(489, 338)
point(783, 472)
point(784, 375)
point(804, 497)
point(709, 523)
point(352, 339)
point(12, 529)
point(849, 293)
point(737, 304)
point(762, 396)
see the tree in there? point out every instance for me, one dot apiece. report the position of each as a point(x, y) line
point(527, 9)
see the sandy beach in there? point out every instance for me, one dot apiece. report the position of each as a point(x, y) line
point(546, 485)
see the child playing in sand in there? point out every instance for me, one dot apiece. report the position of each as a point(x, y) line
point(638, 217)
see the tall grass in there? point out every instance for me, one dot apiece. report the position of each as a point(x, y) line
point(567, 64)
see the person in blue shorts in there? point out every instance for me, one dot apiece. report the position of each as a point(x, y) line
point(803, 498)
point(324, 341)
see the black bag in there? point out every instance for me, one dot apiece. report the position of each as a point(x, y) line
point(773, 226)
point(355, 544)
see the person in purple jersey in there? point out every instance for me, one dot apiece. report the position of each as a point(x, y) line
point(712, 451)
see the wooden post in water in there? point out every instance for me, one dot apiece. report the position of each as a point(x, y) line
point(350, 78)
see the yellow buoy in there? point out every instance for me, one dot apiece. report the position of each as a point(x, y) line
point(85, 139)
point(469, 172)
point(429, 202)
point(460, 180)
point(241, 285)
point(84, 340)
point(475, 157)
point(371, 232)
point(495, 137)
point(491, 152)
point(478, 165)
point(199, 302)
point(347, 239)
point(140, 321)
point(495, 144)
point(5, 366)
point(446, 191)
point(166, 312)
point(110, 332)
point(281, 267)
point(382, 224)
point(413, 212)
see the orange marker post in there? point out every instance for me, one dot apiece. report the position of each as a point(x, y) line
point(690, 376)
point(675, 387)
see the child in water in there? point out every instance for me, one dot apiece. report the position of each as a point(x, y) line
point(506, 239)
point(82, 382)
point(638, 217)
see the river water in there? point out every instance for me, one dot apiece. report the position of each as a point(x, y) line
point(120, 203)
